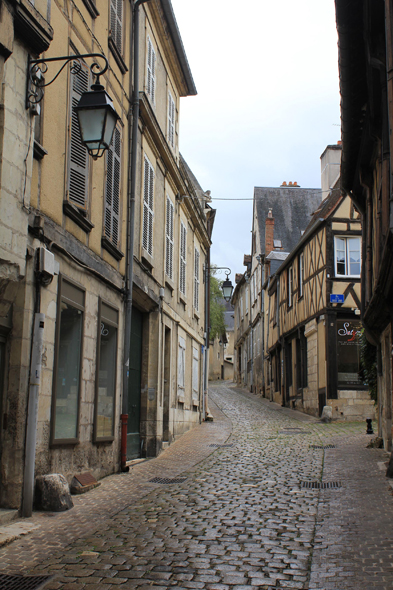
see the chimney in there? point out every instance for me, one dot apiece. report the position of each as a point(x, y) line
point(330, 167)
point(269, 233)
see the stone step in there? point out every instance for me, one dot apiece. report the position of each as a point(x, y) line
point(7, 516)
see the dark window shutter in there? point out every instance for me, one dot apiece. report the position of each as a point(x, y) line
point(169, 238)
point(79, 159)
point(116, 23)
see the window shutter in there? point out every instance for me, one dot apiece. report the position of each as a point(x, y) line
point(171, 120)
point(112, 196)
point(195, 373)
point(196, 280)
point(183, 249)
point(148, 206)
point(78, 156)
point(181, 363)
point(116, 21)
point(151, 71)
point(169, 238)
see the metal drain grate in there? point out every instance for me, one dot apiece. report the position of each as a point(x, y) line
point(294, 432)
point(320, 485)
point(166, 480)
point(216, 445)
point(23, 582)
point(322, 446)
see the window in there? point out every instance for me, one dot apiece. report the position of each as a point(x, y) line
point(195, 375)
point(181, 367)
point(241, 307)
point(196, 279)
point(171, 120)
point(183, 261)
point(148, 203)
point(246, 296)
point(348, 352)
point(108, 320)
point(116, 23)
point(112, 192)
point(301, 274)
point(151, 71)
point(68, 361)
point(290, 286)
point(347, 256)
point(301, 360)
point(78, 156)
point(169, 238)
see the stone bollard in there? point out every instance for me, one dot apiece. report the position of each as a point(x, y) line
point(369, 426)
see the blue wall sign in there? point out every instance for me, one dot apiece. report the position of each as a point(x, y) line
point(336, 298)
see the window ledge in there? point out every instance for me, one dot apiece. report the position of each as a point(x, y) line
point(196, 314)
point(91, 7)
point(147, 260)
point(32, 27)
point(182, 299)
point(38, 151)
point(77, 216)
point(111, 248)
point(117, 55)
point(170, 284)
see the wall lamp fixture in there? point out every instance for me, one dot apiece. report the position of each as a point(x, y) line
point(96, 113)
point(226, 287)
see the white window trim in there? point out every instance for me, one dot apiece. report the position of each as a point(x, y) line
point(183, 259)
point(171, 120)
point(151, 71)
point(195, 374)
point(346, 239)
point(169, 241)
point(148, 207)
point(196, 278)
point(181, 367)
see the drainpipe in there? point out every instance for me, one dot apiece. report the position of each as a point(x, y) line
point(133, 133)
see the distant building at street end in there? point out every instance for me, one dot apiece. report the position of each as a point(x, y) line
point(221, 350)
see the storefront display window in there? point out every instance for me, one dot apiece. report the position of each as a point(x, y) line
point(348, 352)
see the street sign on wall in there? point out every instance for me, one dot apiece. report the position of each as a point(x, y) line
point(336, 298)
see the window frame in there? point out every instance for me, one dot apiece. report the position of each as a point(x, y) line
point(346, 238)
point(115, 324)
point(112, 219)
point(181, 367)
point(301, 275)
point(195, 374)
point(60, 298)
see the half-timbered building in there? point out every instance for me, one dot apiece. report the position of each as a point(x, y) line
point(313, 348)
point(365, 40)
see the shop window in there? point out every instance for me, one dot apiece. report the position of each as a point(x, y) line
point(108, 319)
point(68, 362)
point(348, 353)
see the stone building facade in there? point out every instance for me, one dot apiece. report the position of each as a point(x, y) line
point(65, 244)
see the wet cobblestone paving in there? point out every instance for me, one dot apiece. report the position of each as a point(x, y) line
point(242, 518)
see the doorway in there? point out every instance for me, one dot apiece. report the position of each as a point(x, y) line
point(134, 387)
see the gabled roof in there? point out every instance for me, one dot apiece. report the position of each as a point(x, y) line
point(292, 209)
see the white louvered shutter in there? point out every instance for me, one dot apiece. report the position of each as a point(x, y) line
point(148, 208)
point(116, 18)
point(169, 238)
point(196, 279)
point(151, 71)
point(183, 251)
point(79, 159)
point(112, 193)
point(171, 120)
point(181, 364)
point(195, 373)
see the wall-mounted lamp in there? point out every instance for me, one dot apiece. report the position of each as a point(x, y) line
point(96, 113)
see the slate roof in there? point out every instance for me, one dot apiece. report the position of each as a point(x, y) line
point(292, 210)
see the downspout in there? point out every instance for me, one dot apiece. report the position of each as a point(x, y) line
point(133, 132)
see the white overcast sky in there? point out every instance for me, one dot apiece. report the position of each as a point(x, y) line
point(267, 105)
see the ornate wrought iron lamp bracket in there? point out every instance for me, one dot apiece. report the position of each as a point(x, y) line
point(37, 68)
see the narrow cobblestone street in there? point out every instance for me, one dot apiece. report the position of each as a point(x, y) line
point(239, 514)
